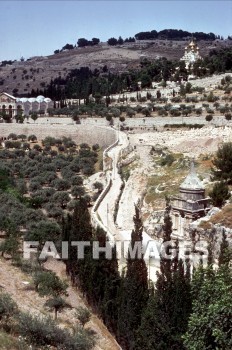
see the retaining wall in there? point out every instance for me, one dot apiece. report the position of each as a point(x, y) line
point(90, 134)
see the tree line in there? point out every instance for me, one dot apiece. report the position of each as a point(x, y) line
point(181, 311)
point(165, 34)
point(175, 34)
point(82, 82)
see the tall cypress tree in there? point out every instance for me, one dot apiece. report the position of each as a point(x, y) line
point(105, 282)
point(81, 224)
point(164, 277)
point(166, 316)
point(134, 291)
point(81, 230)
point(225, 251)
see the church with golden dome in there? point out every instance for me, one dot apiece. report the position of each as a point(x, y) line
point(191, 54)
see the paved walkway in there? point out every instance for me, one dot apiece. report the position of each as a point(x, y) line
point(106, 209)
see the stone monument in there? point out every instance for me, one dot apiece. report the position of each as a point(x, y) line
point(190, 205)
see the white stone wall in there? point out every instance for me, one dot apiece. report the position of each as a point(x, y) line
point(79, 133)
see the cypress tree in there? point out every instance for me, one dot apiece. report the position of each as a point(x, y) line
point(225, 251)
point(166, 317)
point(105, 282)
point(134, 290)
point(154, 332)
point(81, 230)
point(81, 223)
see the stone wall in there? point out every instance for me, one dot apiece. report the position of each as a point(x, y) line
point(90, 134)
point(151, 122)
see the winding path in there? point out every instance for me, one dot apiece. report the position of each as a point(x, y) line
point(104, 208)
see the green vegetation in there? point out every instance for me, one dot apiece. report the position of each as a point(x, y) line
point(81, 83)
point(219, 194)
point(36, 188)
point(83, 315)
point(209, 324)
point(8, 342)
point(222, 162)
point(168, 159)
point(43, 331)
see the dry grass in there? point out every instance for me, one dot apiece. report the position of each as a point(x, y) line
point(205, 225)
point(7, 341)
point(99, 165)
point(170, 178)
point(224, 217)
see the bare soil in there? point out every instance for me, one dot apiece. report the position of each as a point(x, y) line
point(16, 283)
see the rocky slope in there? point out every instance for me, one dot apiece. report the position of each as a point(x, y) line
point(36, 72)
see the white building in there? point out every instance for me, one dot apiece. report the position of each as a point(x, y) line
point(191, 54)
point(10, 105)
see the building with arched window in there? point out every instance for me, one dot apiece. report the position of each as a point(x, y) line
point(10, 105)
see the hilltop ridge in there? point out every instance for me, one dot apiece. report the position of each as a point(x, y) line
point(36, 72)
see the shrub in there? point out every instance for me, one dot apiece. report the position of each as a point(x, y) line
point(57, 304)
point(40, 331)
point(223, 163)
point(8, 307)
point(167, 160)
point(209, 117)
point(32, 138)
point(219, 194)
point(228, 116)
point(83, 315)
point(10, 246)
point(84, 146)
point(95, 147)
point(37, 148)
point(8, 144)
point(47, 283)
point(12, 136)
point(22, 137)
point(98, 186)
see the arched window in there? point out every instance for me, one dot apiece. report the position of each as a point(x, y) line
point(10, 111)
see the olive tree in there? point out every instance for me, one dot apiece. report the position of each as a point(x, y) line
point(61, 198)
point(78, 191)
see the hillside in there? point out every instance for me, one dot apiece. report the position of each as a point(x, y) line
point(37, 72)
